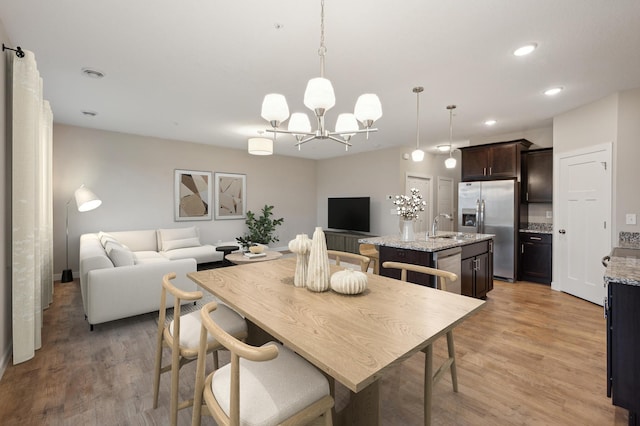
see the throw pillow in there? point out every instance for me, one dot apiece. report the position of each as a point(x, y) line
point(183, 243)
point(120, 256)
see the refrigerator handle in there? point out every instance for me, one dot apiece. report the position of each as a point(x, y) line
point(478, 218)
point(481, 219)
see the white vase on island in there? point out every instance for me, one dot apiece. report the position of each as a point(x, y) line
point(406, 229)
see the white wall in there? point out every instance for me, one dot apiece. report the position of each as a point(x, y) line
point(5, 282)
point(627, 171)
point(134, 177)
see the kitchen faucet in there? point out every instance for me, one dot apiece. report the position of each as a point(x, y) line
point(434, 226)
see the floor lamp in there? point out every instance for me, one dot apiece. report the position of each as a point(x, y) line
point(86, 200)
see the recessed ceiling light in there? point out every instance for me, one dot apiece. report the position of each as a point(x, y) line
point(525, 50)
point(443, 148)
point(89, 113)
point(490, 122)
point(553, 91)
point(92, 73)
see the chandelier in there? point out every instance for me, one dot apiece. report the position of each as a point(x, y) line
point(450, 162)
point(319, 97)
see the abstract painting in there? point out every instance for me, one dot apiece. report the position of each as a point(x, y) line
point(231, 193)
point(192, 195)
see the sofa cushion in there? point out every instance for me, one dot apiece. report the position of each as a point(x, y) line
point(175, 234)
point(142, 257)
point(119, 255)
point(178, 244)
point(202, 254)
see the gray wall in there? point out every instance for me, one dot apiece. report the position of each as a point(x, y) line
point(134, 177)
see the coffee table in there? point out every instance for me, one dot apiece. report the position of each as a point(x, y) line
point(240, 258)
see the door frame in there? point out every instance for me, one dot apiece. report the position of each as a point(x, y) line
point(607, 147)
point(429, 178)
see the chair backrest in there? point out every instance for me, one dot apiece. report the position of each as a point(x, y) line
point(443, 276)
point(364, 261)
point(237, 348)
point(369, 250)
point(178, 296)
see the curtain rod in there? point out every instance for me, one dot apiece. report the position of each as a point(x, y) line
point(19, 51)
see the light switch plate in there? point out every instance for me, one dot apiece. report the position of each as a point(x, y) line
point(631, 219)
point(549, 214)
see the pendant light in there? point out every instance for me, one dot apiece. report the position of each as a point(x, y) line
point(450, 162)
point(418, 154)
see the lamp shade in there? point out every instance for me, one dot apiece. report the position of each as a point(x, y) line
point(450, 163)
point(345, 124)
point(368, 108)
point(319, 94)
point(299, 123)
point(260, 146)
point(275, 108)
point(417, 155)
point(86, 200)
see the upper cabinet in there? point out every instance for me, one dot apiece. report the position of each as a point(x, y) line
point(537, 176)
point(494, 161)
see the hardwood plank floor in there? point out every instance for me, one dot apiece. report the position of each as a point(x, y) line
point(532, 356)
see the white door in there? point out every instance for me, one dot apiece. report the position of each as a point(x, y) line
point(582, 231)
point(445, 203)
point(423, 184)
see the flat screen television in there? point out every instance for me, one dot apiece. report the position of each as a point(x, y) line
point(349, 213)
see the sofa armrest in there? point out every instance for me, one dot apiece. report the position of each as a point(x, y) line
point(132, 290)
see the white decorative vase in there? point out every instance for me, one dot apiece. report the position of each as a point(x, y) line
point(406, 230)
point(301, 246)
point(349, 281)
point(319, 273)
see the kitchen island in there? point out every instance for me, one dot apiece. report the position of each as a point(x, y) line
point(468, 255)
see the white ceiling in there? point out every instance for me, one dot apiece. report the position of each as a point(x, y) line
point(197, 70)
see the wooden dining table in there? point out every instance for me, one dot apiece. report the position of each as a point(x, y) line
point(354, 339)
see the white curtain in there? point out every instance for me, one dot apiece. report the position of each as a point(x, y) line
point(31, 206)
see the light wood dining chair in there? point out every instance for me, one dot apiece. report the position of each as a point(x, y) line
point(182, 336)
point(363, 261)
point(266, 385)
point(431, 378)
point(372, 253)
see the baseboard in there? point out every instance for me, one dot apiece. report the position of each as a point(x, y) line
point(4, 361)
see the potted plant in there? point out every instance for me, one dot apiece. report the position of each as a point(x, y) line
point(261, 228)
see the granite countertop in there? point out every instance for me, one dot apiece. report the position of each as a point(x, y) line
point(442, 240)
point(624, 270)
point(536, 231)
point(537, 228)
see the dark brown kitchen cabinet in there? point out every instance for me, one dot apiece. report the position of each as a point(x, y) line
point(477, 269)
point(414, 257)
point(537, 176)
point(493, 161)
point(535, 257)
point(623, 347)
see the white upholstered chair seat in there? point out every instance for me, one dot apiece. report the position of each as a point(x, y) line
point(271, 391)
point(190, 325)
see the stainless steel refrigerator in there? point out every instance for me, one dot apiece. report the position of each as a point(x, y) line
point(490, 207)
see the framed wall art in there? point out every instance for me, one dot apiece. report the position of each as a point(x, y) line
point(230, 196)
point(192, 195)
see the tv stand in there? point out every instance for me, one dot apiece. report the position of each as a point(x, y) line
point(344, 240)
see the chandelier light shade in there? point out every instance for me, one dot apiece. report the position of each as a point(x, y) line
point(417, 155)
point(320, 97)
point(86, 201)
point(450, 162)
point(260, 146)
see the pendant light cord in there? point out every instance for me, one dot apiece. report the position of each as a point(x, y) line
point(417, 91)
point(322, 51)
point(451, 108)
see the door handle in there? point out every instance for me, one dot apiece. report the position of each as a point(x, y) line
point(562, 231)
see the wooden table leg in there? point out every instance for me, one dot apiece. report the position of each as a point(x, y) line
point(428, 384)
point(363, 408)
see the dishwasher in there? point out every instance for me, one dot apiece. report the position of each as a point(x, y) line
point(450, 260)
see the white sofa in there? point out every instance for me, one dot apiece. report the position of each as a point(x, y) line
point(121, 272)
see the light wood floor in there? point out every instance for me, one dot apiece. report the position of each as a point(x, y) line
point(532, 356)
